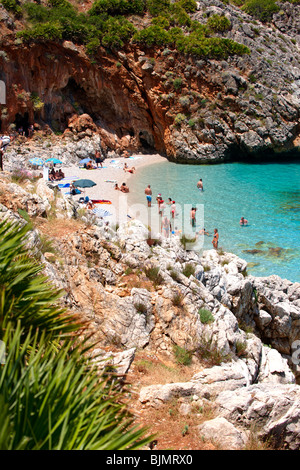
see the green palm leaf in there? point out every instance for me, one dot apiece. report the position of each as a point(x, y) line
point(25, 294)
point(58, 400)
point(52, 396)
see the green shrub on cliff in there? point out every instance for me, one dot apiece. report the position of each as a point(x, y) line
point(206, 316)
point(177, 83)
point(218, 23)
point(263, 10)
point(36, 13)
point(118, 7)
point(216, 48)
point(189, 5)
point(179, 119)
point(42, 32)
point(37, 103)
point(157, 7)
point(154, 35)
point(12, 6)
point(62, 21)
point(106, 24)
point(161, 21)
point(179, 15)
point(117, 32)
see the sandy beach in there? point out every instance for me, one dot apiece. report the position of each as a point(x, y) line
point(105, 179)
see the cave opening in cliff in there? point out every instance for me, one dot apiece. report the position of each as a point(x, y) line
point(100, 107)
point(147, 142)
point(76, 96)
point(22, 123)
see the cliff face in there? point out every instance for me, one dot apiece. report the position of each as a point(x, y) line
point(67, 83)
point(191, 110)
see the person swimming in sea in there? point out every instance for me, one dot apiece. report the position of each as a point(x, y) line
point(203, 232)
point(243, 221)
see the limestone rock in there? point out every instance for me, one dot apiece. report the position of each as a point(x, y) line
point(274, 368)
point(120, 362)
point(274, 408)
point(223, 433)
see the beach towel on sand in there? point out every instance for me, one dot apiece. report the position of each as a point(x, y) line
point(101, 212)
point(100, 201)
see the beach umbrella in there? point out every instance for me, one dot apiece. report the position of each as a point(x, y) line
point(53, 160)
point(36, 161)
point(84, 183)
point(85, 160)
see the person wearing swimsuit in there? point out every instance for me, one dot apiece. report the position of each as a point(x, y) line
point(215, 239)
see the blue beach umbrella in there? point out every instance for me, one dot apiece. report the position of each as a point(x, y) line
point(84, 183)
point(36, 161)
point(53, 160)
point(85, 160)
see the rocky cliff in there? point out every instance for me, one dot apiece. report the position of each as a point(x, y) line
point(156, 98)
point(201, 311)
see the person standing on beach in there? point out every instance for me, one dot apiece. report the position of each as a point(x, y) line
point(215, 239)
point(148, 192)
point(200, 185)
point(173, 210)
point(98, 158)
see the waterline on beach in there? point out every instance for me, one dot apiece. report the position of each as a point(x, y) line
point(266, 194)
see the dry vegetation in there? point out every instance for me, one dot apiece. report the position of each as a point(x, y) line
point(172, 429)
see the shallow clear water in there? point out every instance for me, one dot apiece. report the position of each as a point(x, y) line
point(266, 194)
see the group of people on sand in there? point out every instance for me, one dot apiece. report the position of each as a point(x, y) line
point(56, 175)
point(98, 160)
point(123, 188)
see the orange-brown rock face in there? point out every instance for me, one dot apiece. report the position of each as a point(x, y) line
point(51, 83)
point(191, 110)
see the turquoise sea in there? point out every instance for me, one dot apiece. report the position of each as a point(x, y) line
point(266, 194)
